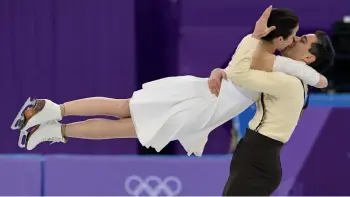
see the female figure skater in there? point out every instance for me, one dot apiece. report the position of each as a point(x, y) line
point(174, 108)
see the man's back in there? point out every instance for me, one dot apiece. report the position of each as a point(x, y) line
point(277, 117)
point(282, 111)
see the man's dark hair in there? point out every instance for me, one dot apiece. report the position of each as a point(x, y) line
point(284, 20)
point(323, 51)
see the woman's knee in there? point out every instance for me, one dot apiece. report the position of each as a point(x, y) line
point(123, 108)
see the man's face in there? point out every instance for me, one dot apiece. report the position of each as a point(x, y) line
point(299, 49)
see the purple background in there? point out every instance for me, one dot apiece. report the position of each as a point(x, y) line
point(65, 50)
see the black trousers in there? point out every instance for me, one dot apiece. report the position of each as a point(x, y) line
point(255, 168)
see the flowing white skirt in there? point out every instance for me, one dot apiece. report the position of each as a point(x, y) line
point(182, 108)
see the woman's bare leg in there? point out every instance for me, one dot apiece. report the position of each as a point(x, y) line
point(95, 106)
point(98, 129)
point(94, 129)
point(45, 110)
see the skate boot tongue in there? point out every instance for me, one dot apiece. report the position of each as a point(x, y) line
point(54, 140)
point(49, 132)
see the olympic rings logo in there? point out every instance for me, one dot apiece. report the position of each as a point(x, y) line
point(145, 187)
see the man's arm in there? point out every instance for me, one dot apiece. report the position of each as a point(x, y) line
point(292, 67)
point(240, 73)
point(275, 64)
point(299, 69)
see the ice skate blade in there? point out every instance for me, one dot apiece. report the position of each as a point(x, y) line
point(21, 143)
point(20, 120)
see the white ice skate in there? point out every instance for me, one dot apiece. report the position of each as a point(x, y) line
point(48, 132)
point(35, 112)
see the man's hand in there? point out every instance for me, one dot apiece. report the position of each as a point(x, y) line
point(214, 81)
point(261, 28)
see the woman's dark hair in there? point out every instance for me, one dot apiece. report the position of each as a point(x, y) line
point(284, 20)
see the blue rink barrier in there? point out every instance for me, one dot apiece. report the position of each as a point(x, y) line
point(91, 175)
point(87, 175)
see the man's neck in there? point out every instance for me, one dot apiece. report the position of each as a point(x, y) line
point(268, 47)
